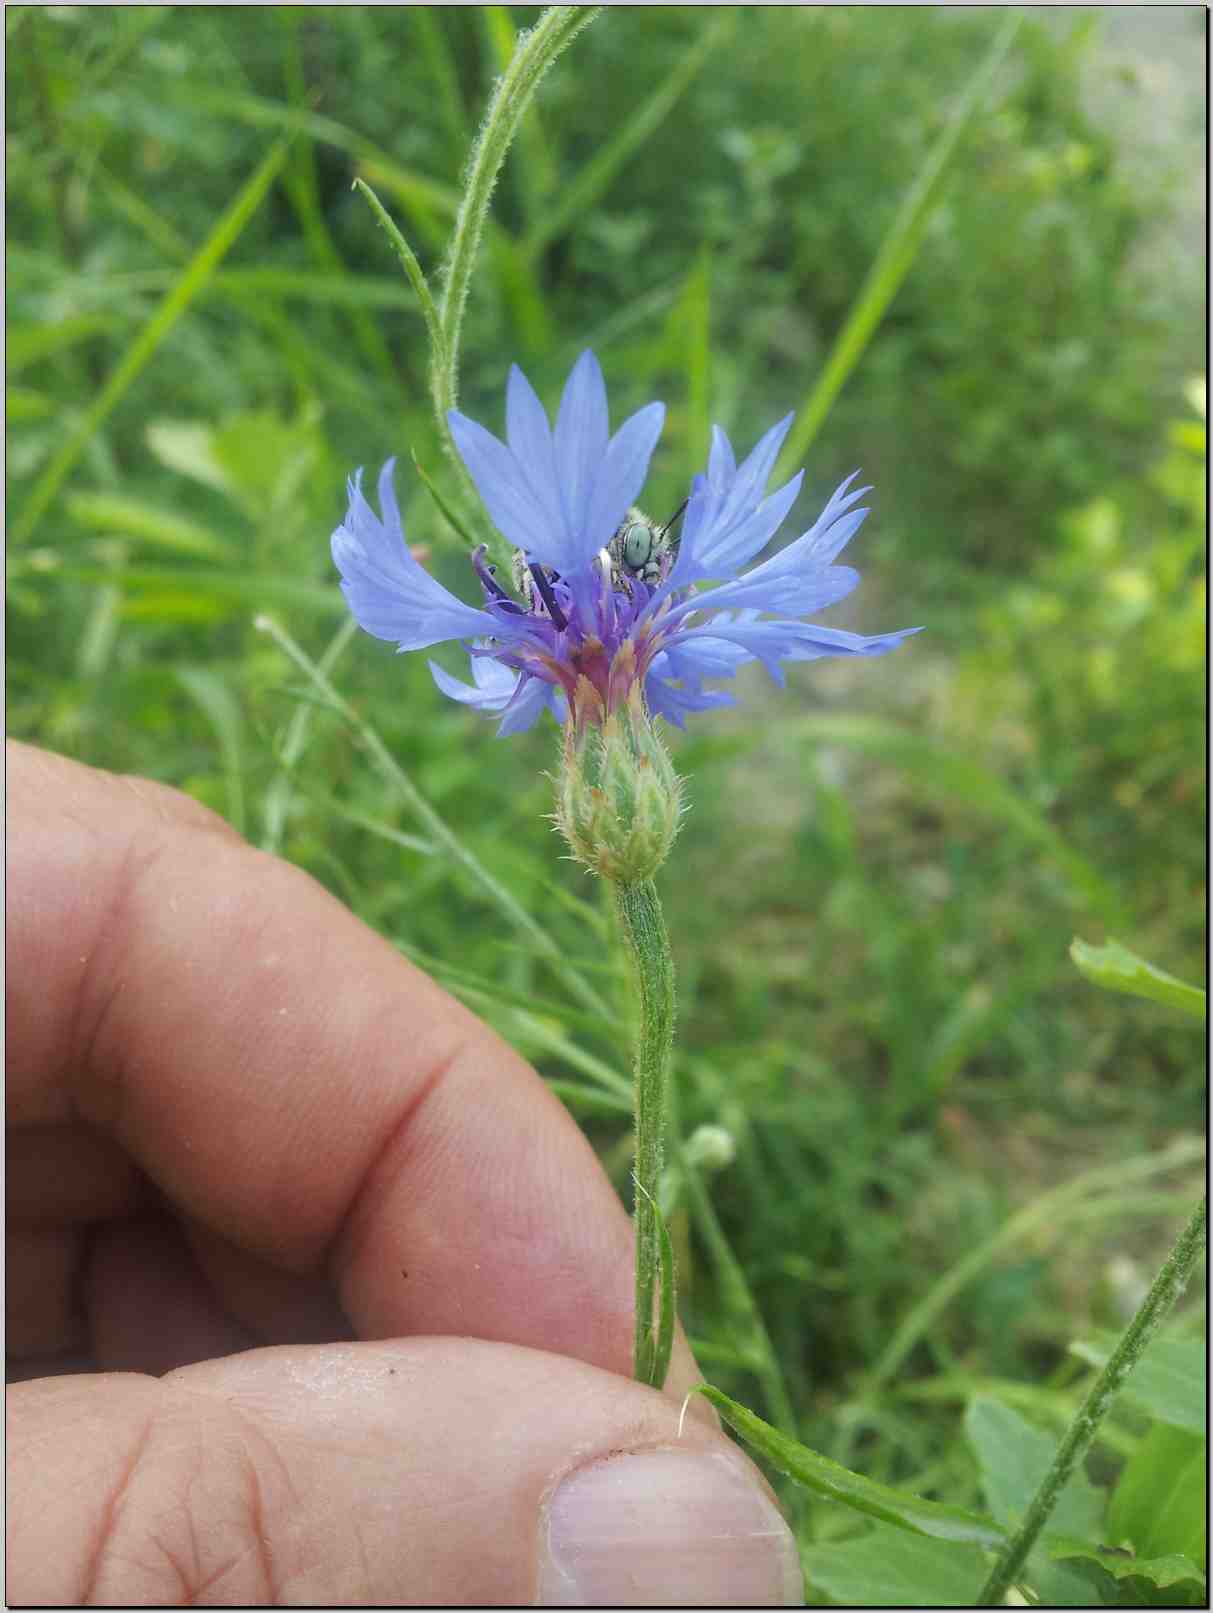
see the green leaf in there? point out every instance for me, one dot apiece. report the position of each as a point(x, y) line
point(1140, 1579)
point(1169, 1380)
point(665, 1315)
point(1115, 968)
point(885, 1567)
point(1013, 1457)
point(1158, 1506)
point(838, 1483)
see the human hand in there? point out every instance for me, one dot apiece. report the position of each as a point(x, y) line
point(239, 1122)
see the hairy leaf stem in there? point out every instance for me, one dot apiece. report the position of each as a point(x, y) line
point(1166, 1288)
point(644, 931)
point(535, 53)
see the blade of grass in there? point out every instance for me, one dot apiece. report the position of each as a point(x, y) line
point(277, 801)
point(948, 774)
point(211, 692)
point(580, 194)
point(299, 181)
point(896, 254)
point(440, 60)
point(436, 826)
point(1048, 1211)
point(197, 272)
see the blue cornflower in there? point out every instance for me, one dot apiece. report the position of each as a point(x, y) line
point(607, 604)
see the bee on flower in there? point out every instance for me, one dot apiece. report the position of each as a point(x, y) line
point(607, 624)
point(604, 600)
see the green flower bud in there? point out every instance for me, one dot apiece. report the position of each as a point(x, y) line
point(710, 1148)
point(618, 798)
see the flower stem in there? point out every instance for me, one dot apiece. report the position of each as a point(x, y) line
point(535, 53)
point(644, 931)
point(1166, 1288)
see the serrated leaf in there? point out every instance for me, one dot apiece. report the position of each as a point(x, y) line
point(837, 1483)
point(1169, 1381)
point(886, 1567)
point(1158, 1505)
point(1115, 968)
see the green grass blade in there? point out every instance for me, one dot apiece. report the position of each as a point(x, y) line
point(1115, 968)
point(948, 774)
point(826, 1478)
point(197, 272)
point(896, 254)
point(580, 194)
point(162, 529)
point(1050, 1211)
point(444, 75)
point(210, 690)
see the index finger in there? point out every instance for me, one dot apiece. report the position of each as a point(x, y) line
point(288, 1080)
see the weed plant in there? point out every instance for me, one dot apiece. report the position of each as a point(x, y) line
point(953, 1157)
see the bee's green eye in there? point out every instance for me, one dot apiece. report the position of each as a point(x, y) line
point(638, 544)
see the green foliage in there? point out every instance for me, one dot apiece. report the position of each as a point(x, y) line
point(952, 1157)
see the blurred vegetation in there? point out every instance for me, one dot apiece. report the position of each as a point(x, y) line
point(883, 868)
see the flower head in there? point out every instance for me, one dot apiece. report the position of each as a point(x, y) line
point(608, 602)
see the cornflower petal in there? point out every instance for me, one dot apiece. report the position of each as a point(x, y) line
point(530, 440)
point(522, 519)
point(390, 594)
point(585, 631)
point(620, 477)
point(582, 433)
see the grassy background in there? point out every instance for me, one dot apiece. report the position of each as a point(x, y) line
point(874, 895)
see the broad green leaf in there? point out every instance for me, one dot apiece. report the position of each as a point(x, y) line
point(1170, 1581)
point(1013, 1457)
point(838, 1483)
point(1169, 1381)
point(1115, 968)
point(1158, 1505)
point(886, 1567)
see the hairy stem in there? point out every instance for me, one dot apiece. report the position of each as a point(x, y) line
point(536, 52)
point(644, 931)
point(1166, 1288)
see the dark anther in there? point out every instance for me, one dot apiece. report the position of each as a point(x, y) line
point(488, 576)
point(548, 597)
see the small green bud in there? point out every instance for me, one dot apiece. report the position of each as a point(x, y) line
point(710, 1148)
point(618, 798)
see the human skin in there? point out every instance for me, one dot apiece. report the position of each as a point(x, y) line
point(316, 1293)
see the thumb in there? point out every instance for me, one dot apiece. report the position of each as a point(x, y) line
point(422, 1471)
